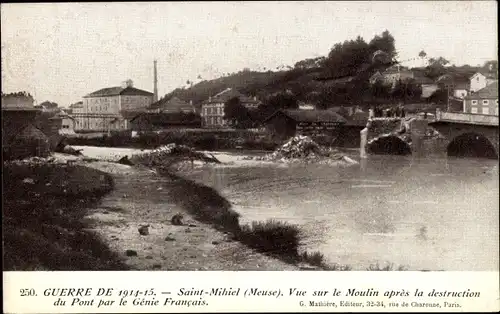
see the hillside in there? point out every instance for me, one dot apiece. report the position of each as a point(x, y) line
point(338, 79)
point(251, 83)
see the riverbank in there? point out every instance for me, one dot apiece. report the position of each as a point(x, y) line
point(203, 203)
point(144, 198)
point(201, 139)
point(44, 205)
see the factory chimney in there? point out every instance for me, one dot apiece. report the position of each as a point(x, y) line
point(155, 91)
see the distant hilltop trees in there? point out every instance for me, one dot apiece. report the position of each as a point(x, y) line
point(18, 94)
point(18, 99)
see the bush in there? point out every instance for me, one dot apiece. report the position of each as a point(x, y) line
point(271, 236)
point(388, 267)
point(315, 259)
point(204, 203)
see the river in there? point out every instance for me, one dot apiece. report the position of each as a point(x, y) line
point(422, 214)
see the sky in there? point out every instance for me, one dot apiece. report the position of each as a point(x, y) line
point(63, 51)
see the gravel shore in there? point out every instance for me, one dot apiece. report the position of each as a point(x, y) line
point(142, 198)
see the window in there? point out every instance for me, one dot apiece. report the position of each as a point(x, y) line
point(485, 102)
point(474, 102)
point(473, 110)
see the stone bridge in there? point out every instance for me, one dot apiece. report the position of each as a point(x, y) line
point(449, 134)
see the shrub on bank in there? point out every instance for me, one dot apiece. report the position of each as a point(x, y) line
point(315, 259)
point(271, 236)
point(388, 267)
point(204, 203)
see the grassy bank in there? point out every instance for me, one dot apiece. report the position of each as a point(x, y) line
point(43, 218)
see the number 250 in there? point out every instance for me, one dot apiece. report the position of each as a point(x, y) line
point(27, 292)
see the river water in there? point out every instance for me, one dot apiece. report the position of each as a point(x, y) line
point(422, 214)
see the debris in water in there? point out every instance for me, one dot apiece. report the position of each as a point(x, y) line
point(29, 181)
point(177, 219)
point(303, 149)
point(169, 237)
point(144, 230)
point(131, 253)
point(125, 161)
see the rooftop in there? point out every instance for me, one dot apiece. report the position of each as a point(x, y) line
point(229, 93)
point(488, 92)
point(61, 115)
point(310, 116)
point(118, 90)
point(163, 118)
point(490, 75)
point(174, 104)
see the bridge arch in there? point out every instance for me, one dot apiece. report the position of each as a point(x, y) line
point(388, 145)
point(472, 144)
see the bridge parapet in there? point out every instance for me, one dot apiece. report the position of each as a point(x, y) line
point(467, 118)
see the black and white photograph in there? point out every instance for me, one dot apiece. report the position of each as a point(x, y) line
point(250, 136)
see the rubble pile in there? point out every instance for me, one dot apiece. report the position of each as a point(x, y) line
point(303, 149)
point(32, 161)
point(169, 154)
point(433, 133)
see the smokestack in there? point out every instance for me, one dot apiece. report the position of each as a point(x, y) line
point(155, 96)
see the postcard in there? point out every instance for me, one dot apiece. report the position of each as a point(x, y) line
point(325, 156)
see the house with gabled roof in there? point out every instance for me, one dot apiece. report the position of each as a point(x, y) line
point(483, 101)
point(21, 138)
point(286, 123)
point(482, 79)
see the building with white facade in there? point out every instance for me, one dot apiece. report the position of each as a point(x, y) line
point(212, 110)
point(481, 80)
point(103, 110)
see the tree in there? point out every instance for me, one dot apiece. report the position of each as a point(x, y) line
point(345, 58)
point(436, 67)
point(284, 100)
point(407, 90)
point(439, 62)
point(491, 66)
point(385, 42)
point(236, 114)
point(379, 90)
point(310, 63)
point(439, 97)
point(422, 54)
point(414, 90)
